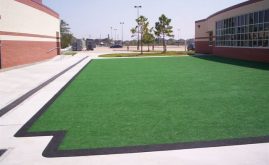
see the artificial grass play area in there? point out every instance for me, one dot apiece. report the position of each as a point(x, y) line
point(152, 53)
point(148, 101)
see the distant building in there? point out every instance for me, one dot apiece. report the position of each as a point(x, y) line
point(240, 31)
point(29, 32)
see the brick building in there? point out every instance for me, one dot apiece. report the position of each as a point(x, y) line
point(240, 31)
point(29, 32)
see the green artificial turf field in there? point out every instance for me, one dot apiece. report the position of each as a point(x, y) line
point(130, 102)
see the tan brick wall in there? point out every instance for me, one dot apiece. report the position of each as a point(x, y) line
point(209, 24)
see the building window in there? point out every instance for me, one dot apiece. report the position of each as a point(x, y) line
point(248, 30)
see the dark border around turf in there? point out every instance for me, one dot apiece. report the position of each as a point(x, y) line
point(52, 149)
point(21, 99)
point(2, 152)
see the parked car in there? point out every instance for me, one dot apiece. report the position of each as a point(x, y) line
point(116, 46)
point(191, 47)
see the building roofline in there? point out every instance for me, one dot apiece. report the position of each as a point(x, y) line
point(230, 8)
point(201, 20)
point(40, 7)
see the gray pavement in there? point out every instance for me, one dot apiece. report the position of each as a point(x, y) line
point(15, 83)
point(28, 151)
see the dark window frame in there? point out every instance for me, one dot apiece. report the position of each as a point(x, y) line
point(246, 30)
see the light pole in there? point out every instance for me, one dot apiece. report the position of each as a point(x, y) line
point(115, 35)
point(111, 30)
point(122, 23)
point(178, 37)
point(185, 44)
point(138, 7)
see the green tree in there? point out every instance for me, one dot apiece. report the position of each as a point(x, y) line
point(64, 27)
point(148, 37)
point(163, 29)
point(66, 36)
point(142, 29)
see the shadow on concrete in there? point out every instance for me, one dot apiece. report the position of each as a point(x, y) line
point(242, 63)
point(2, 152)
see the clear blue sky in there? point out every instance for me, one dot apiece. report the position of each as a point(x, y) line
point(95, 17)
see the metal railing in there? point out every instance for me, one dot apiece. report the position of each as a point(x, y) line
point(53, 49)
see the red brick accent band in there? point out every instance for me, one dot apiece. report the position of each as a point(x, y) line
point(203, 47)
point(250, 54)
point(15, 53)
point(26, 35)
point(38, 1)
point(40, 7)
point(58, 44)
point(0, 54)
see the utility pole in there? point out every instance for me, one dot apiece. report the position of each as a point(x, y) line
point(138, 7)
point(115, 35)
point(185, 45)
point(178, 37)
point(122, 23)
point(111, 28)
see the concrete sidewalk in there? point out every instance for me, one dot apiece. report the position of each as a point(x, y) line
point(15, 83)
point(28, 151)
